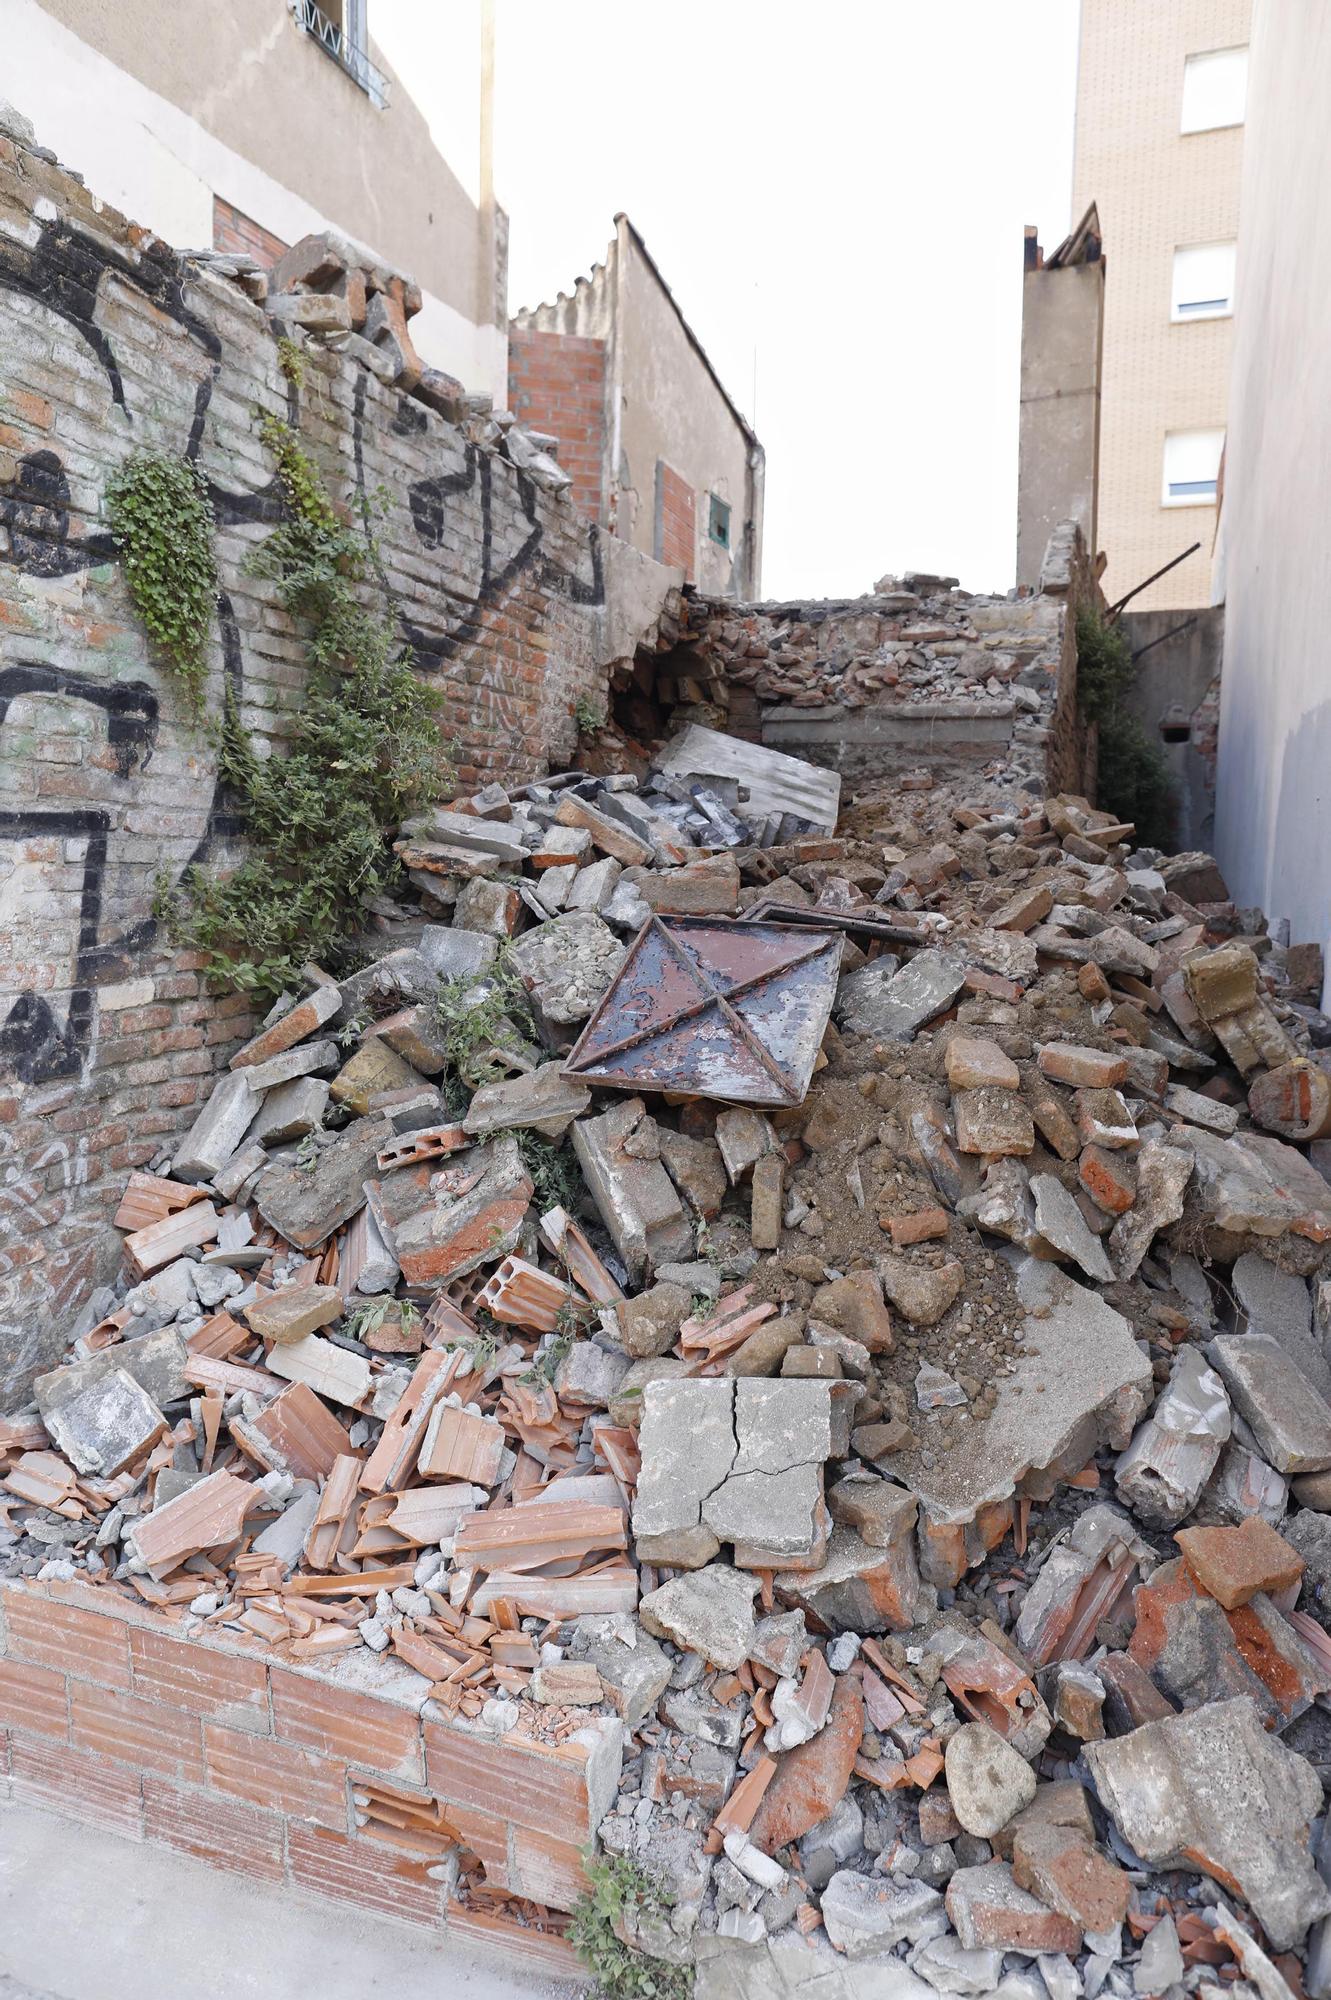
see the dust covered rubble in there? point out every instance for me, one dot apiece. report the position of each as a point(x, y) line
point(926, 1488)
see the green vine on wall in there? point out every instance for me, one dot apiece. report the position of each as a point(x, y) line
point(162, 521)
point(363, 754)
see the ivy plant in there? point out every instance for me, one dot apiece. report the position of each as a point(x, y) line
point(161, 518)
point(363, 753)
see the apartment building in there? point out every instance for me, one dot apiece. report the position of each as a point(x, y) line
point(246, 126)
point(1161, 93)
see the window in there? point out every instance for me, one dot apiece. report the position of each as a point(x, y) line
point(1203, 281)
point(718, 521)
point(1214, 88)
point(339, 28)
point(1192, 466)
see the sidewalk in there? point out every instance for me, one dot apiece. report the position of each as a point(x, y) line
point(85, 1915)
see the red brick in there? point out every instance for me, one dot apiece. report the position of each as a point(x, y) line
point(276, 1775)
point(73, 1782)
point(539, 1948)
point(1233, 1564)
point(1108, 1178)
point(193, 1677)
point(353, 1727)
point(363, 1872)
point(546, 1869)
point(138, 1732)
point(537, 1787)
point(34, 1698)
point(213, 1829)
point(67, 1638)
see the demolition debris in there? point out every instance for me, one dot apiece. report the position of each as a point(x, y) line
point(843, 1316)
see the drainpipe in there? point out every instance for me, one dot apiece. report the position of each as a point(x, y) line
point(486, 302)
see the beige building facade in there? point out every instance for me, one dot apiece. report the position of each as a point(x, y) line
point(1161, 95)
point(250, 124)
point(1273, 801)
point(662, 455)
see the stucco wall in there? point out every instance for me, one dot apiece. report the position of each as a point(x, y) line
point(161, 105)
point(1273, 813)
point(1155, 188)
point(1058, 462)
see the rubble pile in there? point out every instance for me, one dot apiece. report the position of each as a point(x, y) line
point(844, 1310)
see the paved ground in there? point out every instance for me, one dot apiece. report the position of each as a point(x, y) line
point(88, 1916)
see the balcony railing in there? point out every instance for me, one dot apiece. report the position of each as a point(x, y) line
point(344, 49)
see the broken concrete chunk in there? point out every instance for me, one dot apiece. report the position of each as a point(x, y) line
point(334, 1372)
point(993, 1122)
point(218, 1130)
point(1289, 1420)
point(1163, 1173)
point(709, 1612)
point(1212, 1790)
point(890, 1006)
point(921, 1292)
point(1277, 1303)
point(290, 1111)
point(1173, 1454)
point(306, 1204)
point(543, 1099)
point(859, 1588)
point(100, 1421)
point(989, 1911)
point(635, 1196)
point(865, 1916)
point(1063, 1226)
point(298, 1022)
point(568, 964)
point(743, 1137)
point(448, 1238)
point(987, 1782)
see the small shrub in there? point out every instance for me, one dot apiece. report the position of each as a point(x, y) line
point(587, 716)
point(621, 1889)
point(480, 1012)
point(162, 520)
point(1132, 772)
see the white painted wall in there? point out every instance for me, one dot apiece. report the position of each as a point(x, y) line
point(1273, 809)
point(158, 165)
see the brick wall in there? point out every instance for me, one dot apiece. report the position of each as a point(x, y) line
point(676, 520)
point(111, 1716)
point(556, 383)
point(234, 230)
point(108, 342)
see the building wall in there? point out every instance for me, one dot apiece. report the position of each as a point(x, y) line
point(1156, 188)
point(665, 414)
point(163, 107)
point(509, 601)
point(109, 1715)
point(556, 384)
point(1062, 325)
point(1273, 810)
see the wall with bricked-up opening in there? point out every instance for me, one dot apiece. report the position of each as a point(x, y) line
point(110, 1715)
point(509, 601)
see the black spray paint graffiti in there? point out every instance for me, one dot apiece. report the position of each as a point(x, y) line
point(428, 503)
point(64, 271)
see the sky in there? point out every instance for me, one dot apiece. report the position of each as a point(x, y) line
point(836, 195)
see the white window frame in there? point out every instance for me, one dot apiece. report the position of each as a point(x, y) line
point(1218, 307)
point(1203, 491)
point(1199, 73)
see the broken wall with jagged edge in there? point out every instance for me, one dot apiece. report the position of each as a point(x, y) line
point(511, 604)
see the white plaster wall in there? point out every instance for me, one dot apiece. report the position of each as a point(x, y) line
point(161, 167)
point(1273, 815)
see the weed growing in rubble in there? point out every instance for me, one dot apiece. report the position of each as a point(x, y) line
point(291, 361)
point(363, 754)
point(587, 717)
point(1132, 773)
point(162, 520)
point(555, 1180)
point(479, 1015)
point(620, 1891)
point(372, 1313)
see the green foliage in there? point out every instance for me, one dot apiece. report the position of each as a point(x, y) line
point(1132, 772)
point(555, 1179)
point(364, 753)
point(481, 1012)
point(162, 521)
point(307, 1153)
point(372, 1313)
point(621, 1889)
point(291, 360)
point(588, 717)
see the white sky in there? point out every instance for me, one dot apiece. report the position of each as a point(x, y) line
point(835, 193)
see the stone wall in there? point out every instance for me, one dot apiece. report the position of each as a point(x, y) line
point(917, 674)
point(508, 600)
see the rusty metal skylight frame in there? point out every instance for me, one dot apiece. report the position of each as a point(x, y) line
point(707, 1007)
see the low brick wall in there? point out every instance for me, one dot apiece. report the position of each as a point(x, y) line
point(109, 1715)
